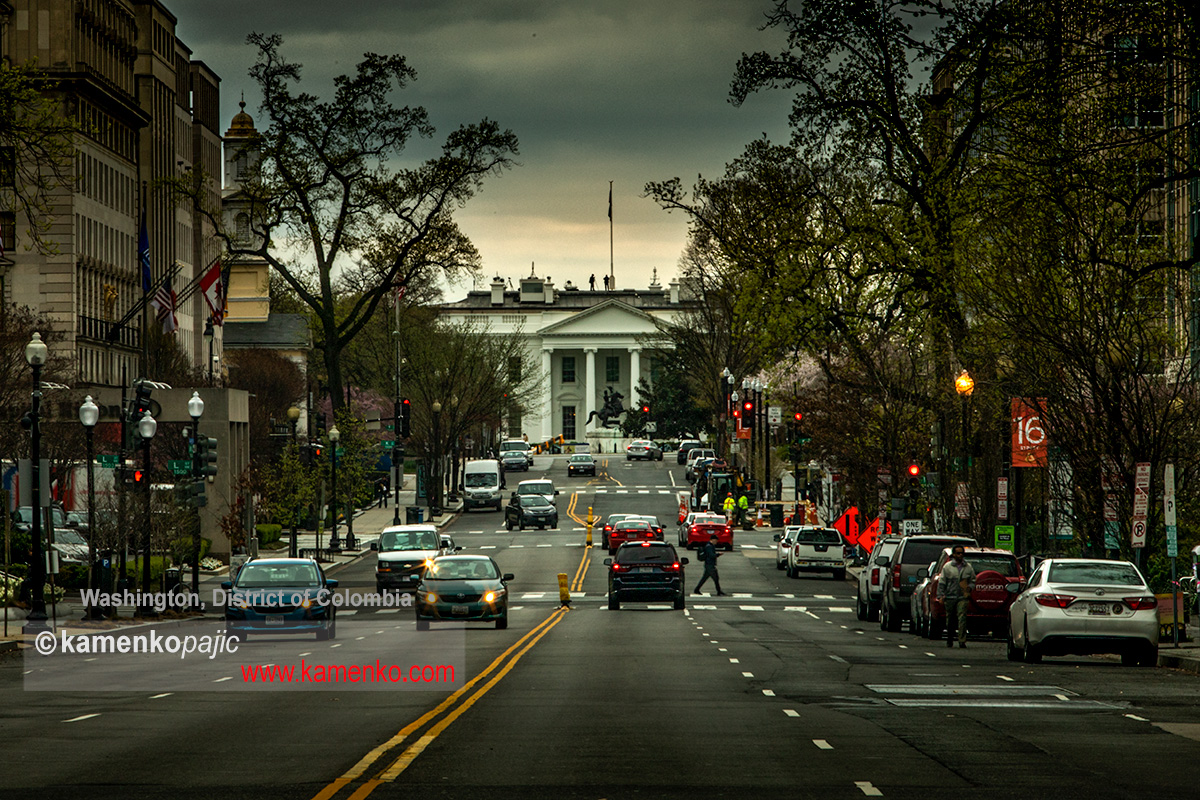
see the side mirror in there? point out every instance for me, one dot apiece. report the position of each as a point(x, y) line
point(683, 561)
point(556, 492)
point(374, 545)
point(882, 561)
point(776, 538)
point(331, 583)
point(508, 576)
point(227, 585)
point(459, 547)
point(72, 523)
point(608, 562)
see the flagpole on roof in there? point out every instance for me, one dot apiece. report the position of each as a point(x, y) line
point(612, 279)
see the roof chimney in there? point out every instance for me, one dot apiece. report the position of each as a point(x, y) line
point(497, 291)
point(674, 291)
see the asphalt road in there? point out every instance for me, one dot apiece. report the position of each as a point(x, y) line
point(776, 691)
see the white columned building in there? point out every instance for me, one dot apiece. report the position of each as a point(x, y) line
point(585, 348)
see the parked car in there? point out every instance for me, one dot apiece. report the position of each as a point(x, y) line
point(816, 549)
point(704, 525)
point(997, 581)
point(72, 548)
point(530, 511)
point(404, 551)
point(645, 571)
point(463, 588)
point(918, 602)
point(514, 461)
point(870, 580)
point(643, 448)
point(581, 464)
point(900, 578)
point(629, 529)
point(685, 525)
point(281, 595)
point(686, 447)
point(542, 486)
point(783, 543)
point(1083, 606)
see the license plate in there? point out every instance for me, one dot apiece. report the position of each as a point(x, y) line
point(1099, 609)
point(274, 619)
point(459, 609)
point(644, 569)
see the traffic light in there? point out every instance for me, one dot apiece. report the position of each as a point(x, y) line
point(320, 424)
point(318, 450)
point(206, 456)
point(935, 440)
point(198, 494)
point(914, 470)
point(405, 418)
point(141, 400)
point(748, 407)
point(645, 408)
point(139, 478)
point(798, 417)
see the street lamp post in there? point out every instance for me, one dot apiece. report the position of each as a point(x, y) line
point(435, 507)
point(147, 426)
point(964, 385)
point(294, 415)
point(89, 415)
point(397, 427)
point(748, 420)
point(195, 408)
point(724, 417)
point(35, 356)
point(335, 543)
point(208, 340)
point(766, 442)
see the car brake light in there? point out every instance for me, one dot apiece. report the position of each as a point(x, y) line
point(1141, 603)
point(673, 567)
point(895, 575)
point(875, 576)
point(645, 544)
point(728, 531)
point(1055, 600)
point(617, 567)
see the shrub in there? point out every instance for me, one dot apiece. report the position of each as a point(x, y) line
point(268, 534)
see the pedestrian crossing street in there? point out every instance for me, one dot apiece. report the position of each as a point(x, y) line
point(977, 696)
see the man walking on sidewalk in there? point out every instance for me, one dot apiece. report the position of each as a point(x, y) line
point(710, 555)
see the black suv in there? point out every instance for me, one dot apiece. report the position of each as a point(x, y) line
point(900, 574)
point(645, 571)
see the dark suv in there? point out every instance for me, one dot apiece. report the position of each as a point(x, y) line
point(900, 576)
point(645, 571)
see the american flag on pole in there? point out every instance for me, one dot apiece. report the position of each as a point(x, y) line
point(164, 303)
point(144, 254)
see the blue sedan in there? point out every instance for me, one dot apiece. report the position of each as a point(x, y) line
point(281, 595)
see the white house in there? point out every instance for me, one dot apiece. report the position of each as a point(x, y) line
point(585, 345)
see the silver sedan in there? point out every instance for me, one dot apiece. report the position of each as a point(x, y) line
point(1084, 605)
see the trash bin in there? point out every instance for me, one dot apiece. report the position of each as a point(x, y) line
point(171, 579)
point(413, 515)
point(776, 516)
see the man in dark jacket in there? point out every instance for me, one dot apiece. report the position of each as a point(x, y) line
point(710, 555)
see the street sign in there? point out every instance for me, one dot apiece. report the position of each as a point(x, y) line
point(774, 415)
point(1004, 537)
point(962, 501)
point(388, 444)
point(1141, 504)
point(1169, 511)
point(109, 461)
point(1002, 498)
point(911, 527)
point(180, 466)
point(651, 427)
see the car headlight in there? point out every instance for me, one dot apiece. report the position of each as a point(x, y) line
point(431, 597)
point(307, 603)
point(492, 597)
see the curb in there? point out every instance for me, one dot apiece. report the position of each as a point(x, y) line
point(1171, 660)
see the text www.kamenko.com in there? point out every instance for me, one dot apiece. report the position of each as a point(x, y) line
point(347, 673)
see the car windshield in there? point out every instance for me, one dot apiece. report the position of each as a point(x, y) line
point(646, 555)
point(923, 552)
point(613, 519)
point(68, 536)
point(581, 459)
point(818, 536)
point(711, 520)
point(390, 541)
point(648, 518)
point(477, 569)
point(986, 561)
point(1102, 574)
point(633, 525)
point(522, 446)
point(269, 576)
point(480, 479)
point(534, 501)
point(534, 488)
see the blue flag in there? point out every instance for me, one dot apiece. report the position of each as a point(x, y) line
point(144, 254)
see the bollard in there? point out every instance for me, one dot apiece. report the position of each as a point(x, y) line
point(590, 522)
point(564, 591)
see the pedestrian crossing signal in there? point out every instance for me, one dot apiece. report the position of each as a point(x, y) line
point(139, 477)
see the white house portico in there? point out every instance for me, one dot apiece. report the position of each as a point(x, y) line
point(585, 345)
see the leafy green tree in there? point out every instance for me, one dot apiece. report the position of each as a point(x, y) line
point(672, 409)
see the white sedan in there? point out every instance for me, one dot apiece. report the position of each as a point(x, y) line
point(1083, 606)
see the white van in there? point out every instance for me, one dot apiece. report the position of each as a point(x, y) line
point(483, 481)
point(518, 444)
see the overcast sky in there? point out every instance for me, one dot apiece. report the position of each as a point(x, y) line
point(627, 91)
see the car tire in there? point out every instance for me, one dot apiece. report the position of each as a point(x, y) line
point(679, 603)
point(422, 624)
point(614, 603)
point(781, 564)
point(936, 627)
point(1030, 653)
point(888, 620)
point(729, 547)
point(860, 609)
point(508, 524)
point(502, 623)
point(872, 612)
point(554, 526)
point(792, 572)
point(839, 574)
point(1010, 648)
point(522, 526)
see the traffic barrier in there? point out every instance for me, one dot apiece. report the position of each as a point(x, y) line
point(564, 591)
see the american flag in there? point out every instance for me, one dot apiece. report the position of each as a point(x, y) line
point(165, 303)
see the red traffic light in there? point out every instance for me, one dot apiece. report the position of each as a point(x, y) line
point(737, 412)
point(799, 415)
point(914, 470)
point(749, 406)
point(645, 409)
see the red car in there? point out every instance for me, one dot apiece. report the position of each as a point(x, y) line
point(998, 581)
point(606, 531)
point(629, 530)
point(705, 525)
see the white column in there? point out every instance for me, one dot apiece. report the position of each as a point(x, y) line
point(635, 372)
point(548, 396)
point(589, 390)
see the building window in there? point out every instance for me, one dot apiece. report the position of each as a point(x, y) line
point(654, 371)
point(568, 426)
point(568, 369)
point(243, 227)
point(612, 369)
point(514, 423)
point(514, 370)
point(8, 166)
point(8, 234)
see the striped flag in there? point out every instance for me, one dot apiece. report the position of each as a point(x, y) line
point(164, 303)
point(144, 254)
point(210, 287)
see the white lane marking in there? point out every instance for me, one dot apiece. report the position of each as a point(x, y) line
point(824, 597)
point(1062, 697)
point(868, 789)
point(734, 661)
point(742, 594)
point(751, 608)
point(487, 547)
point(844, 627)
point(861, 633)
point(533, 595)
point(841, 609)
point(749, 547)
point(903, 647)
point(722, 649)
point(822, 744)
point(839, 659)
point(160, 696)
point(359, 638)
point(671, 475)
point(349, 613)
point(333, 646)
point(704, 608)
point(660, 607)
point(545, 545)
point(80, 719)
point(811, 614)
point(706, 634)
point(1005, 678)
point(966, 689)
point(769, 692)
point(516, 546)
point(576, 595)
point(89, 659)
point(777, 594)
point(791, 712)
point(643, 491)
point(222, 680)
point(1135, 716)
point(803, 609)
point(518, 608)
point(879, 638)
point(388, 611)
point(302, 655)
point(747, 674)
point(474, 531)
point(931, 655)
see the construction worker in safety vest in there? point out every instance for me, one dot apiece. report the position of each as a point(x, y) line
point(743, 504)
point(729, 505)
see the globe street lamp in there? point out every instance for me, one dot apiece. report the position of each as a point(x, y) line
point(435, 507)
point(89, 415)
point(964, 385)
point(724, 416)
point(294, 415)
point(335, 544)
point(195, 408)
point(766, 441)
point(147, 427)
point(35, 356)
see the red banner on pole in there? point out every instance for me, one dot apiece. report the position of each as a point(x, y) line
point(1028, 433)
